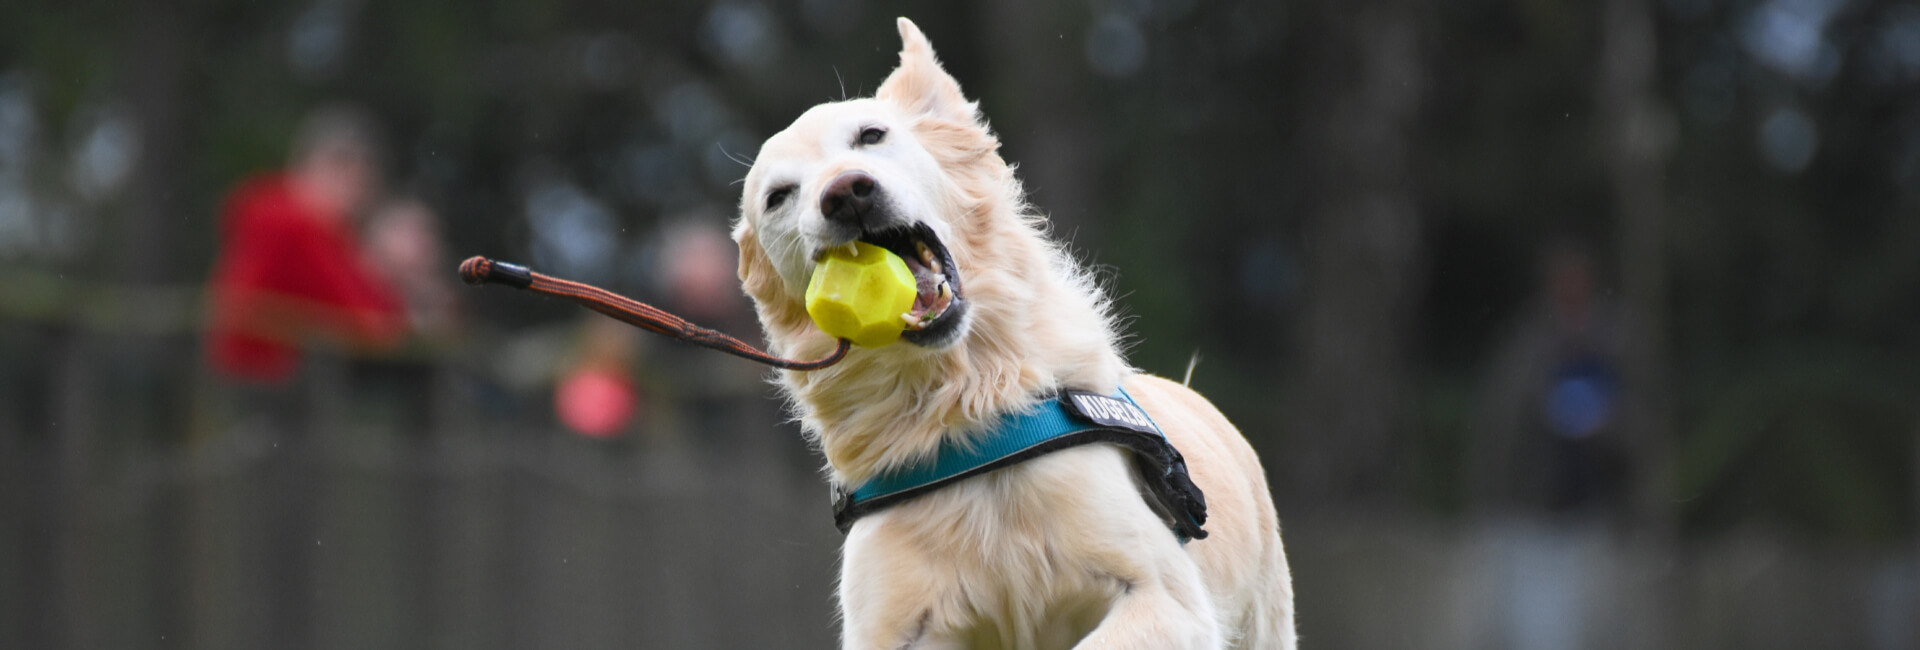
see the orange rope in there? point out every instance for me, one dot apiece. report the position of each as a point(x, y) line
point(479, 270)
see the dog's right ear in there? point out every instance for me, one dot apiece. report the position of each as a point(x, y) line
point(920, 85)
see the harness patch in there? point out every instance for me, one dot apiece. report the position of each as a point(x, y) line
point(1107, 411)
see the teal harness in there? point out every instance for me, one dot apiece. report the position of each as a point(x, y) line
point(1070, 419)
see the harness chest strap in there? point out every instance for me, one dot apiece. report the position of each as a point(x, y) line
point(1071, 419)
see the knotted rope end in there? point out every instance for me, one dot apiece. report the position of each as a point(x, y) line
point(474, 270)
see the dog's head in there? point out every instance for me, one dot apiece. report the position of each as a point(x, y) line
point(904, 170)
point(1003, 312)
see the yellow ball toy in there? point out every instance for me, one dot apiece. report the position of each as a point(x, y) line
point(859, 295)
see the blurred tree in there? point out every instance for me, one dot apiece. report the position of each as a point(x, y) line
point(1039, 82)
point(1638, 132)
point(158, 89)
point(1337, 204)
point(1364, 182)
point(1362, 234)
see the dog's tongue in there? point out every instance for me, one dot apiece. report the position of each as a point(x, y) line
point(926, 286)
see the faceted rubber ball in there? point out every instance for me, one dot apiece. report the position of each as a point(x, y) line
point(860, 296)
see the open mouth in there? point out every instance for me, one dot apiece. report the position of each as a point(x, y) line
point(939, 304)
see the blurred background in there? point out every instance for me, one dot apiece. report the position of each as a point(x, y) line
point(1557, 324)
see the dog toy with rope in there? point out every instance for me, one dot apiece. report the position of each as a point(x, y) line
point(856, 295)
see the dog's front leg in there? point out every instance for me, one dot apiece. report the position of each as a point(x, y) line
point(1172, 612)
point(889, 594)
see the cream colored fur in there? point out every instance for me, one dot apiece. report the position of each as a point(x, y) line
point(1058, 552)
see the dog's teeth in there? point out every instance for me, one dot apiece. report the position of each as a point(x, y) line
point(912, 323)
point(926, 256)
point(941, 303)
point(852, 250)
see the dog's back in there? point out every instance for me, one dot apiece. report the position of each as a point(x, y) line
point(1063, 550)
point(1242, 559)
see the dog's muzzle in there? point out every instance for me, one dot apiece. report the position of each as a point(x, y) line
point(856, 206)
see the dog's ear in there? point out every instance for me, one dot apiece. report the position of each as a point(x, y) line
point(754, 266)
point(757, 274)
point(920, 85)
point(762, 282)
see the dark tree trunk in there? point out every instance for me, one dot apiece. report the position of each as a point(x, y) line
point(1362, 239)
point(154, 90)
point(1637, 132)
point(155, 87)
point(1045, 132)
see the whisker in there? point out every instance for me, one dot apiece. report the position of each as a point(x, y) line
point(743, 161)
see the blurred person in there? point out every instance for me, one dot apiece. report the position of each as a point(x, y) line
point(598, 393)
point(402, 239)
point(291, 272)
point(697, 269)
point(1549, 458)
point(411, 391)
point(290, 269)
point(1549, 436)
point(719, 401)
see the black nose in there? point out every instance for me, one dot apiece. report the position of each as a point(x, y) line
point(848, 197)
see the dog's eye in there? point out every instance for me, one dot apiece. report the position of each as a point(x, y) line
point(872, 135)
point(778, 196)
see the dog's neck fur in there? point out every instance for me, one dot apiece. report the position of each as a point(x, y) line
point(1031, 333)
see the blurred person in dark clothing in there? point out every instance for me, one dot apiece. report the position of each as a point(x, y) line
point(1549, 437)
point(290, 268)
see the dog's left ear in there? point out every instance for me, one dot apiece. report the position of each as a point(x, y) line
point(920, 85)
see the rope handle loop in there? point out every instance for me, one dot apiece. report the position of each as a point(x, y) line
point(479, 270)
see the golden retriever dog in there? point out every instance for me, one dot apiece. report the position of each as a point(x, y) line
point(1061, 551)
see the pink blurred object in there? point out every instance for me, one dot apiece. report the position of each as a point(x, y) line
point(595, 402)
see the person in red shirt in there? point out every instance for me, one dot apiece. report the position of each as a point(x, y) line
point(290, 269)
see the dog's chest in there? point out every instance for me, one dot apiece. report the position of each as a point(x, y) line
point(1059, 625)
point(1038, 553)
point(1035, 602)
